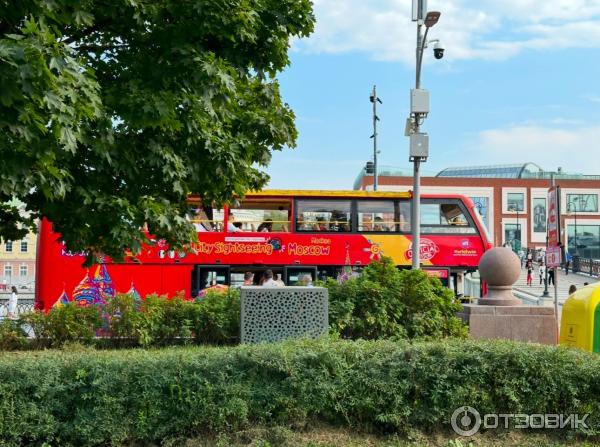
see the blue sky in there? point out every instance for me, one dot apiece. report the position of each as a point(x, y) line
point(520, 81)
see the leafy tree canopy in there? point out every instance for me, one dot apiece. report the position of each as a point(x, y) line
point(111, 112)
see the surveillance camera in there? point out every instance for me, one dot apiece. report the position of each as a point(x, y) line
point(438, 50)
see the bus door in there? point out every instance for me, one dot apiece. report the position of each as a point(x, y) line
point(292, 274)
point(204, 276)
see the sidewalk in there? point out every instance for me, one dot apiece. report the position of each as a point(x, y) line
point(564, 282)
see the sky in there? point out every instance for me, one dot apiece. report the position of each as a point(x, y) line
point(519, 82)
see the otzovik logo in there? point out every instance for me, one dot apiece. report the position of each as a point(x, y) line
point(428, 249)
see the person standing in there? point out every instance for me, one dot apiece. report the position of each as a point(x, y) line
point(529, 274)
point(12, 303)
point(551, 276)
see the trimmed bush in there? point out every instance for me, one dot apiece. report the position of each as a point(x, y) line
point(384, 302)
point(137, 396)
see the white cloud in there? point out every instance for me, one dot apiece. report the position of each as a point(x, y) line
point(487, 29)
point(572, 148)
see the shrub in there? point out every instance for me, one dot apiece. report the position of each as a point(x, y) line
point(12, 336)
point(219, 317)
point(385, 302)
point(67, 323)
point(139, 397)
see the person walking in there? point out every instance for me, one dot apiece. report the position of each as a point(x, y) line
point(542, 272)
point(551, 276)
point(529, 274)
point(12, 303)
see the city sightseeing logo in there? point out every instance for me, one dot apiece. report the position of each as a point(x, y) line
point(428, 249)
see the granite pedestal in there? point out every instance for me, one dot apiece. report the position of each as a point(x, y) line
point(535, 324)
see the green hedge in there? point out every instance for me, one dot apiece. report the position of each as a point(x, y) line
point(134, 396)
point(125, 322)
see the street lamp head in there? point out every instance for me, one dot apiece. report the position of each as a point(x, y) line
point(432, 18)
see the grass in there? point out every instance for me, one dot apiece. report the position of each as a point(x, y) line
point(337, 437)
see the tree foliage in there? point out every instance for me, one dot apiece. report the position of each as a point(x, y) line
point(112, 112)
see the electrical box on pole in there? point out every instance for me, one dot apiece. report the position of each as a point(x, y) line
point(419, 101)
point(419, 146)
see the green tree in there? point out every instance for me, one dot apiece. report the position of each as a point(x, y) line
point(111, 113)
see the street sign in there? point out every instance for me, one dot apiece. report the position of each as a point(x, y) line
point(554, 216)
point(553, 258)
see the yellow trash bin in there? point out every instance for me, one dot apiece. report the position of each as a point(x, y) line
point(580, 321)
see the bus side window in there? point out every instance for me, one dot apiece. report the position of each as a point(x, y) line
point(444, 218)
point(323, 216)
point(376, 215)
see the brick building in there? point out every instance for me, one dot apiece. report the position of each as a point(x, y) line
point(512, 201)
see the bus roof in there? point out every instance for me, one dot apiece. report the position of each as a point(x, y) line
point(325, 193)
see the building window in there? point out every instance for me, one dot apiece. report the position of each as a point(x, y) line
point(539, 215)
point(8, 246)
point(587, 203)
point(23, 270)
point(515, 201)
point(23, 246)
point(8, 270)
point(512, 236)
point(584, 240)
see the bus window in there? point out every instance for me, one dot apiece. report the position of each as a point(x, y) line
point(376, 215)
point(404, 216)
point(206, 218)
point(323, 215)
point(445, 218)
point(262, 216)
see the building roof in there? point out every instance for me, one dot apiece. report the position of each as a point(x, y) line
point(525, 170)
point(509, 171)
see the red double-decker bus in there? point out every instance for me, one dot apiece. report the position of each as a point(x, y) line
point(293, 233)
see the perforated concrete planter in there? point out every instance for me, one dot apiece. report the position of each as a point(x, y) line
point(278, 313)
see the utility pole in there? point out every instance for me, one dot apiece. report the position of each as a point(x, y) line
point(374, 99)
point(419, 108)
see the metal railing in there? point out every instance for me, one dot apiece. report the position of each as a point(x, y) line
point(24, 305)
point(586, 265)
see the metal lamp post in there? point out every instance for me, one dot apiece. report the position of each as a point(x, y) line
point(375, 99)
point(419, 108)
point(518, 230)
point(574, 210)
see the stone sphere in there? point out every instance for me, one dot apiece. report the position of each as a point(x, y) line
point(500, 266)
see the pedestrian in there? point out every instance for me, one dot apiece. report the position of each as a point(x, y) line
point(542, 272)
point(278, 280)
point(529, 274)
point(268, 280)
point(521, 256)
point(12, 303)
point(551, 276)
point(572, 289)
point(248, 279)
